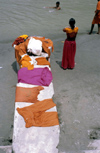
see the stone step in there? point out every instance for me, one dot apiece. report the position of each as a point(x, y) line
point(81, 151)
point(5, 149)
point(35, 139)
point(94, 145)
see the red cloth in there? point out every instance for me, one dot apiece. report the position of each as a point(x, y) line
point(68, 57)
point(18, 41)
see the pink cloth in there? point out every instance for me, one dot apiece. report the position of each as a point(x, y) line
point(37, 76)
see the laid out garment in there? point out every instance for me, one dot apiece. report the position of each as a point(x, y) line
point(42, 61)
point(35, 115)
point(69, 49)
point(37, 76)
point(29, 95)
point(96, 20)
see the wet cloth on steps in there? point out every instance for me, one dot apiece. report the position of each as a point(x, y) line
point(35, 115)
point(37, 76)
point(29, 95)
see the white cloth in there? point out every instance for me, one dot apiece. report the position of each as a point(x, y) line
point(34, 46)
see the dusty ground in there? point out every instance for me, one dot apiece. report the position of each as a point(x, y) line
point(77, 93)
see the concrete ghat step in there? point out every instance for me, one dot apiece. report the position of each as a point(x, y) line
point(92, 151)
point(5, 149)
point(82, 151)
point(94, 145)
point(35, 139)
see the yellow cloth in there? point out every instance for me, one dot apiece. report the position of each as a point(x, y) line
point(24, 36)
point(69, 30)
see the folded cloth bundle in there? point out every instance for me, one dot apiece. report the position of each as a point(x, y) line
point(35, 115)
point(47, 44)
point(29, 95)
point(34, 46)
point(37, 76)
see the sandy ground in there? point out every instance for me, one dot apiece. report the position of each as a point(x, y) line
point(77, 93)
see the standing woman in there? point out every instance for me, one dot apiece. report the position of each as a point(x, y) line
point(96, 19)
point(69, 48)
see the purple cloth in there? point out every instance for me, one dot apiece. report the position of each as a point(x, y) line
point(37, 76)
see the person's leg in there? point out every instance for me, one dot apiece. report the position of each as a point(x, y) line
point(98, 29)
point(92, 26)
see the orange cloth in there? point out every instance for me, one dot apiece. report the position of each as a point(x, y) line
point(98, 8)
point(25, 62)
point(96, 20)
point(27, 94)
point(45, 44)
point(20, 50)
point(42, 61)
point(35, 114)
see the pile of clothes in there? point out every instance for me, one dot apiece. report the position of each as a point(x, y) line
point(32, 45)
point(32, 53)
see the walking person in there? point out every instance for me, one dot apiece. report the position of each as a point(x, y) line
point(69, 49)
point(96, 19)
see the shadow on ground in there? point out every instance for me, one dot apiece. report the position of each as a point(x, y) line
point(14, 66)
